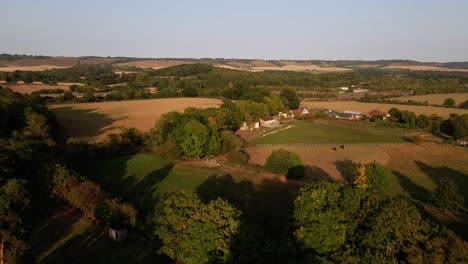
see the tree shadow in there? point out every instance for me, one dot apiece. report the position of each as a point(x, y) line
point(414, 190)
point(315, 173)
point(140, 190)
point(81, 122)
point(267, 210)
point(94, 246)
point(52, 224)
point(346, 168)
point(437, 173)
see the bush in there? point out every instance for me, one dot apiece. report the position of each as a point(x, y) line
point(285, 162)
point(238, 157)
point(116, 212)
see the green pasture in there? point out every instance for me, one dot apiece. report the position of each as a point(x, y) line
point(308, 132)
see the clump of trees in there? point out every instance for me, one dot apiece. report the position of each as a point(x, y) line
point(449, 102)
point(286, 163)
point(365, 222)
point(446, 195)
point(66, 185)
point(194, 232)
point(456, 125)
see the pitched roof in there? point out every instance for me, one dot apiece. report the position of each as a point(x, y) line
point(376, 113)
point(267, 118)
point(465, 138)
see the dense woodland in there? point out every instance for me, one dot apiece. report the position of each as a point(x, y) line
point(358, 220)
point(205, 80)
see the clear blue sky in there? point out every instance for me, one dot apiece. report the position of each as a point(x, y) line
point(425, 30)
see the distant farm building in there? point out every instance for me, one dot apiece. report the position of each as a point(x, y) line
point(303, 110)
point(269, 121)
point(354, 114)
point(378, 114)
point(351, 115)
point(251, 126)
point(463, 141)
point(117, 233)
point(343, 88)
point(360, 90)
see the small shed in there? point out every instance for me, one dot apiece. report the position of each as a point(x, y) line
point(117, 233)
point(463, 141)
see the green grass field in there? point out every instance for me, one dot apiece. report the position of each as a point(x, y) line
point(140, 177)
point(331, 132)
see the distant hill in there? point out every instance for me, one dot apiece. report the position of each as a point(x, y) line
point(10, 62)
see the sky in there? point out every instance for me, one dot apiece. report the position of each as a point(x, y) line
point(423, 30)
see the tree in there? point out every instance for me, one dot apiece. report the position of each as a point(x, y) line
point(290, 98)
point(319, 219)
point(68, 96)
point(190, 91)
point(14, 199)
point(195, 232)
point(196, 136)
point(449, 102)
point(390, 233)
point(446, 195)
point(28, 77)
point(464, 105)
point(88, 97)
point(285, 162)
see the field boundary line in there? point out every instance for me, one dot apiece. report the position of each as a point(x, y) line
point(330, 144)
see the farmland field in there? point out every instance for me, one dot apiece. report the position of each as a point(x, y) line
point(436, 98)
point(366, 107)
point(33, 87)
point(329, 132)
point(96, 120)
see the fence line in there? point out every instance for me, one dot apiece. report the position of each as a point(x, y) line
point(329, 144)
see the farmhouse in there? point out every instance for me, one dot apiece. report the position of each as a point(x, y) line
point(360, 90)
point(354, 114)
point(285, 114)
point(303, 110)
point(251, 126)
point(268, 121)
point(378, 114)
point(463, 141)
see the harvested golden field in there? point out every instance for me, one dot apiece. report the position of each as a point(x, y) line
point(155, 64)
point(423, 68)
point(323, 162)
point(436, 98)
point(29, 88)
point(421, 165)
point(366, 107)
point(11, 68)
point(96, 120)
point(305, 67)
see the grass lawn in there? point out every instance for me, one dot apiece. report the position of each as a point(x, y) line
point(330, 132)
point(140, 177)
point(62, 234)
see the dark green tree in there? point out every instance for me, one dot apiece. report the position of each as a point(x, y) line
point(449, 102)
point(190, 91)
point(14, 199)
point(446, 195)
point(195, 232)
point(285, 162)
point(464, 105)
point(291, 100)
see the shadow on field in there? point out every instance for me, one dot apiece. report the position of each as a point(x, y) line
point(436, 173)
point(267, 210)
point(82, 122)
point(346, 168)
point(315, 173)
point(414, 190)
point(112, 175)
point(95, 246)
